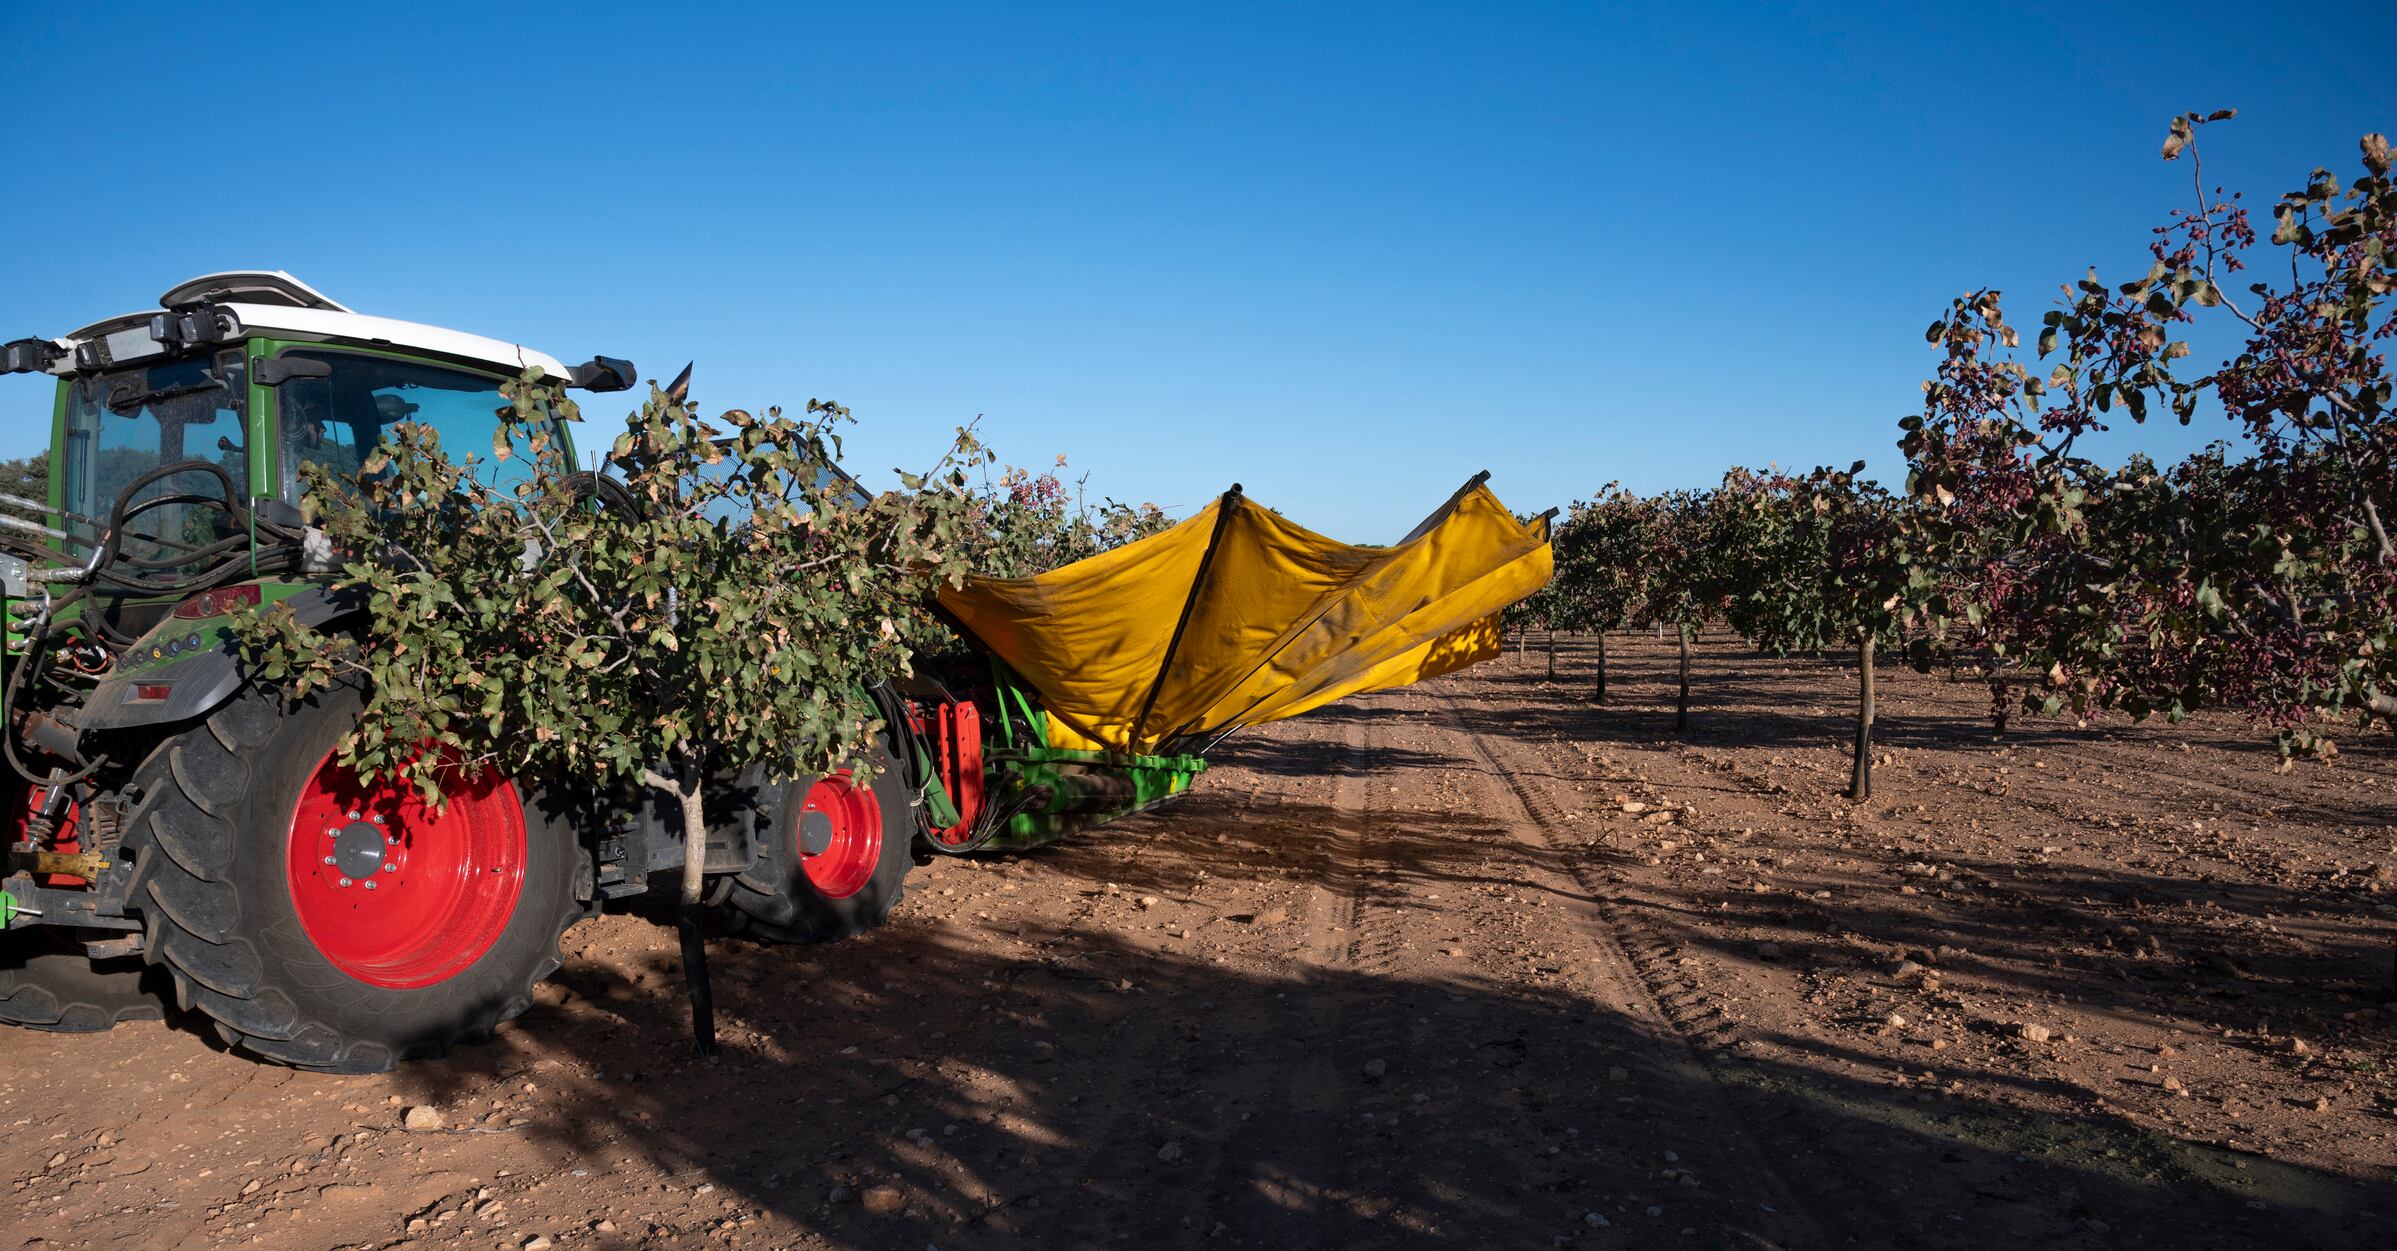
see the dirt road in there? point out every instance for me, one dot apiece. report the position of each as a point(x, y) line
point(1477, 964)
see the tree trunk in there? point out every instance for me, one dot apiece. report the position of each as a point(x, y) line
point(1681, 709)
point(686, 787)
point(1552, 655)
point(1860, 782)
point(1601, 667)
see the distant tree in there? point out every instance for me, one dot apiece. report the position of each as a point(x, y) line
point(26, 478)
point(1601, 576)
point(1822, 560)
point(1685, 584)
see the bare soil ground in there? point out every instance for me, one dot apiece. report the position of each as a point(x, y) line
point(1479, 964)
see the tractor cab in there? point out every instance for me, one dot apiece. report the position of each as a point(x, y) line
point(243, 378)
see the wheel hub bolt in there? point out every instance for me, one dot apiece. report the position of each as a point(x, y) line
point(345, 881)
point(370, 883)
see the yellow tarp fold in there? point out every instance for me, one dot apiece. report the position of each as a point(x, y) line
point(1238, 616)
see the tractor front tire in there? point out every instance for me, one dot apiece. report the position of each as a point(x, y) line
point(834, 859)
point(329, 924)
point(47, 983)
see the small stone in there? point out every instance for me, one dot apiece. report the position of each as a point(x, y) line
point(538, 1242)
point(1905, 970)
point(1148, 901)
point(2298, 1047)
point(1654, 1210)
point(1768, 951)
point(418, 1224)
point(1595, 1220)
point(57, 1160)
point(1896, 1021)
point(1375, 1068)
point(1634, 806)
point(1618, 1073)
point(1170, 1152)
point(424, 1119)
point(2033, 1033)
point(251, 1187)
point(603, 1226)
point(2321, 1104)
point(1939, 1044)
point(882, 1200)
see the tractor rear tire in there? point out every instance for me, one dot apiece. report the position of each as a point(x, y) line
point(331, 925)
point(47, 983)
point(834, 859)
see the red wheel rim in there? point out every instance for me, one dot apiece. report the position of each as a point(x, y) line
point(399, 894)
point(846, 820)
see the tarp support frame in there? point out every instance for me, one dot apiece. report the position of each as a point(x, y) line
point(1198, 585)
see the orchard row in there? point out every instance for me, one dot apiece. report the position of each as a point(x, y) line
point(2255, 575)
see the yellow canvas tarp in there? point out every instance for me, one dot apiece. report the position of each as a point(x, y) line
point(1238, 616)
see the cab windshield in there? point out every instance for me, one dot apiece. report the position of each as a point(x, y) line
point(123, 424)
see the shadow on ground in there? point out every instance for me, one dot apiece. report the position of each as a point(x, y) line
point(1066, 1087)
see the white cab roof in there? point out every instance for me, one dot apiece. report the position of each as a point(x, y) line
point(274, 303)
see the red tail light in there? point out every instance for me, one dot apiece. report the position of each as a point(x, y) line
point(219, 602)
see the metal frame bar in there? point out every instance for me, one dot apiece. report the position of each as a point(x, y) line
point(1198, 583)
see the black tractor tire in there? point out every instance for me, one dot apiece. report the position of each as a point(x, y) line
point(211, 834)
point(779, 899)
point(47, 983)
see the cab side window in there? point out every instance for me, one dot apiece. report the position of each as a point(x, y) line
point(339, 420)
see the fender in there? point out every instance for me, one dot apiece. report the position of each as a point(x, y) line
point(184, 668)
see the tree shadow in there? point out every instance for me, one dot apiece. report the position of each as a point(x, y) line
point(1061, 1083)
point(1109, 1093)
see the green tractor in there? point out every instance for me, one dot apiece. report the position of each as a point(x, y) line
point(179, 830)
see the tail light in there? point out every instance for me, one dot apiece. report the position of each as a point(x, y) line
point(220, 602)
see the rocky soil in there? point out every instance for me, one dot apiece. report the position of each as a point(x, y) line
point(1481, 963)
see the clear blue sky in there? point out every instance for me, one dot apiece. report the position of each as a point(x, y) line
point(1346, 255)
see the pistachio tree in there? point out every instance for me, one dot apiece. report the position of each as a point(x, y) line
point(1685, 584)
point(1020, 523)
point(1822, 560)
point(2258, 574)
point(712, 598)
point(1600, 574)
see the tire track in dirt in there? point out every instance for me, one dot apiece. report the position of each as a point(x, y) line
point(1207, 1121)
point(1284, 1179)
point(1638, 962)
